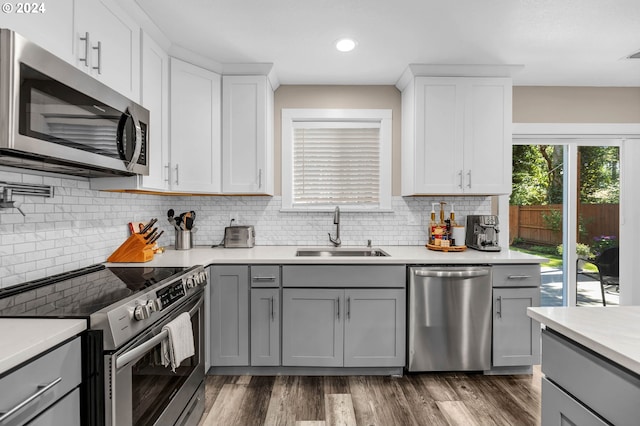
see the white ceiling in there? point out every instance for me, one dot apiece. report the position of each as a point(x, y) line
point(560, 42)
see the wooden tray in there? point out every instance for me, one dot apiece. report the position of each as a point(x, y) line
point(445, 249)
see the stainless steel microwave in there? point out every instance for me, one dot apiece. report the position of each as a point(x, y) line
point(56, 118)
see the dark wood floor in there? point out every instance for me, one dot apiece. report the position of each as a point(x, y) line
point(424, 399)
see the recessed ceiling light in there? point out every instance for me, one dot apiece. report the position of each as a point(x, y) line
point(346, 44)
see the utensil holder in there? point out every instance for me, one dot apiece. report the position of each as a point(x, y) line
point(184, 240)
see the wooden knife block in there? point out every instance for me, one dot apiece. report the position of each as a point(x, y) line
point(134, 249)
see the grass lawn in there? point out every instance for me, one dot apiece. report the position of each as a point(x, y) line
point(555, 260)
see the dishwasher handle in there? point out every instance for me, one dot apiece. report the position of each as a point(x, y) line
point(443, 273)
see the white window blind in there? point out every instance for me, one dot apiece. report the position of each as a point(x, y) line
point(336, 163)
point(336, 157)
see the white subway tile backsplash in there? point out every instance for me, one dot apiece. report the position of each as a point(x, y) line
point(80, 227)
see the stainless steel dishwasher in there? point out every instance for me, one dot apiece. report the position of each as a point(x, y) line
point(449, 318)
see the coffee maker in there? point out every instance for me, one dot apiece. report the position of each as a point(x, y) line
point(482, 232)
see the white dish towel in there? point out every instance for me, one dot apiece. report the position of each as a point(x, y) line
point(178, 345)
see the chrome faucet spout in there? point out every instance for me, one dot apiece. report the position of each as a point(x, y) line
point(336, 220)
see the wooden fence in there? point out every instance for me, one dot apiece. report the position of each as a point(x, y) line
point(528, 223)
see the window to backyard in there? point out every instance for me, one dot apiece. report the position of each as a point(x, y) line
point(336, 157)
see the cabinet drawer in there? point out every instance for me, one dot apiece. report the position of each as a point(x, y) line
point(516, 276)
point(62, 363)
point(64, 412)
point(343, 276)
point(558, 408)
point(265, 276)
point(599, 384)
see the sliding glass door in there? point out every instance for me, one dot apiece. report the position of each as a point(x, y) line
point(565, 206)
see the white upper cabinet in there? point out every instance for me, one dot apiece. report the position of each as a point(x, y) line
point(194, 129)
point(247, 135)
point(107, 45)
point(51, 28)
point(155, 98)
point(456, 136)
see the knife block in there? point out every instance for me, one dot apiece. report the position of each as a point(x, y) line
point(134, 249)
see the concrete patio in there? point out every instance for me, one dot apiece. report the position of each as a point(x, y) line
point(588, 290)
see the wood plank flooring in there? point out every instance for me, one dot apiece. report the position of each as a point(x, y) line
point(417, 399)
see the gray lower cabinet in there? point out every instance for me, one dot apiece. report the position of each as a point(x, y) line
point(229, 315)
point(312, 327)
point(45, 390)
point(560, 409)
point(516, 337)
point(350, 328)
point(374, 331)
point(265, 326)
point(582, 387)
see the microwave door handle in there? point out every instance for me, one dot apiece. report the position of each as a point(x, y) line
point(138, 144)
point(137, 140)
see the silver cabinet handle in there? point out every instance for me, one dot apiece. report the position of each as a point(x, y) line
point(460, 176)
point(499, 307)
point(264, 278)
point(177, 175)
point(260, 178)
point(469, 175)
point(86, 49)
point(518, 277)
point(98, 47)
point(273, 316)
point(168, 167)
point(452, 274)
point(42, 389)
point(338, 302)
point(348, 307)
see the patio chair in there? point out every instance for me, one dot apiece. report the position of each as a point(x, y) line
point(607, 263)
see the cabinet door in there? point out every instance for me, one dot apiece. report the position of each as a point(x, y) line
point(247, 135)
point(195, 128)
point(439, 117)
point(265, 326)
point(487, 136)
point(112, 51)
point(312, 327)
point(374, 333)
point(559, 408)
point(155, 97)
point(230, 315)
point(516, 337)
point(51, 29)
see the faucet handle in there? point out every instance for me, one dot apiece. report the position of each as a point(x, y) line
point(369, 243)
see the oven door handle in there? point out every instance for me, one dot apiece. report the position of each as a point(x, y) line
point(134, 353)
point(141, 349)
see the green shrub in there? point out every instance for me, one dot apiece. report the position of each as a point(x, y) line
point(582, 250)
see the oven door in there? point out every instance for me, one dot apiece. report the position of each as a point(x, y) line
point(140, 390)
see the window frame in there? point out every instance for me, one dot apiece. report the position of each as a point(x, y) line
point(381, 116)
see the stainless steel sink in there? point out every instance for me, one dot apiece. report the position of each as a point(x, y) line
point(331, 252)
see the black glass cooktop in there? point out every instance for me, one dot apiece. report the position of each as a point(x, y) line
point(78, 294)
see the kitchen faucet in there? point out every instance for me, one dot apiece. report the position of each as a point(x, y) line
point(336, 220)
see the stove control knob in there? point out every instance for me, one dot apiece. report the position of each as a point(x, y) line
point(191, 283)
point(141, 312)
point(203, 277)
point(152, 306)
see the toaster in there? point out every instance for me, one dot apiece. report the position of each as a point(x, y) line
point(239, 237)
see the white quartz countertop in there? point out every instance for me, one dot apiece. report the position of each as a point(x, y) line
point(24, 338)
point(287, 255)
point(613, 332)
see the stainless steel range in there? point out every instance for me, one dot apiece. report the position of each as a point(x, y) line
point(124, 381)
